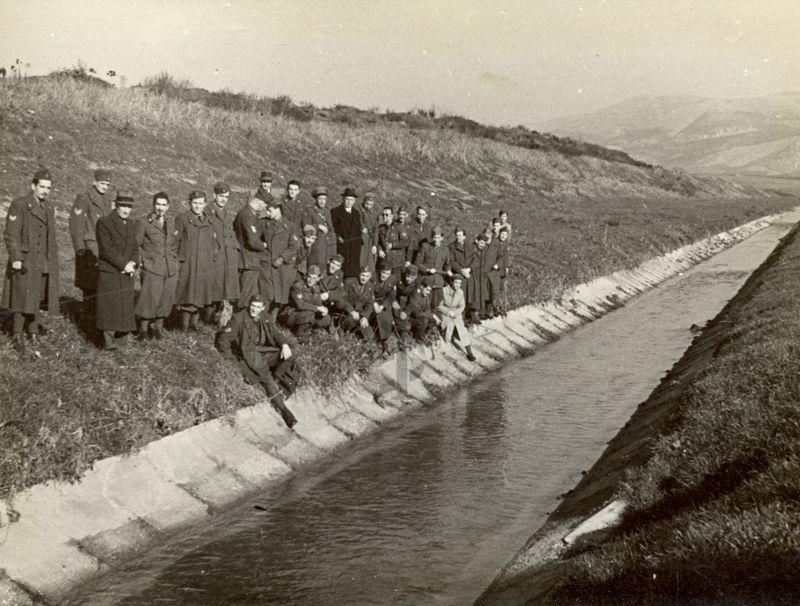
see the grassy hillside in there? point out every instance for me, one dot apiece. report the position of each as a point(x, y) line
point(575, 217)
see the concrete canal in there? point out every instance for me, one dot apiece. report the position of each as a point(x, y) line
point(429, 509)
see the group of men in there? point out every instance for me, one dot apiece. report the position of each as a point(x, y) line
point(278, 259)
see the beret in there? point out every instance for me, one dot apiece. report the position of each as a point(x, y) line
point(221, 188)
point(309, 230)
point(338, 258)
point(314, 270)
point(102, 174)
point(437, 231)
point(257, 298)
point(319, 191)
point(265, 176)
point(42, 175)
point(195, 194)
point(124, 197)
point(503, 229)
point(369, 196)
point(349, 192)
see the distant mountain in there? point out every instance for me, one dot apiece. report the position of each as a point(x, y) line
point(759, 135)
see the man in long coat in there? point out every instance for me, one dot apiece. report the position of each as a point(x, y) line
point(383, 297)
point(369, 231)
point(88, 207)
point(249, 230)
point(418, 232)
point(484, 280)
point(118, 253)
point(319, 216)
point(263, 352)
point(392, 243)
point(199, 250)
point(294, 207)
point(277, 266)
point(433, 260)
point(461, 257)
point(158, 246)
point(347, 225)
point(227, 269)
point(31, 276)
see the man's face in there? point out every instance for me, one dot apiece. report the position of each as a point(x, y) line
point(504, 217)
point(322, 201)
point(293, 191)
point(266, 185)
point(368, 204)
point(457, 284)
point(309, 239)
point(259, 206)
point(102, 186)
point(402, 215)
point(461, 237)
point(222, 199)
point(385, 273)
point(426, 290)
point(334, 266)
point(41, 189)
point(481, 244)
point(349, 201)
point(422, 214)
point(123, 210)
point(438, 239)
point(312, 279)
point(256, 309)
point(272, 212)
point(409, 278)
point(495, 228)
point(503, 236)
point(160, 207)
point(364, 277)
point(198, 205)
point(388, 216)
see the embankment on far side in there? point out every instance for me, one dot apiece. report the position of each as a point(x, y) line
point(59, 535)
point(697, 498)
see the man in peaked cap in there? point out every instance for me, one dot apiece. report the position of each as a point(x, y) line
point(226, 271)
point(307, 241)
point(88, 207)
point(264, 190)
point(369, 231)
point(31, 276)
point(118, 255)
point(263, 352)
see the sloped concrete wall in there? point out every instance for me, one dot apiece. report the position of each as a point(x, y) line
point(55, 536)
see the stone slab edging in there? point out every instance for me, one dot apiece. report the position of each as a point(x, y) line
point(55, 536)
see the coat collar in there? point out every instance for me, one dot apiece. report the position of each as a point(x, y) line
point(36, 208)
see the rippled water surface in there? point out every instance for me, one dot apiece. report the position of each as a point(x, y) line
point(428, 511)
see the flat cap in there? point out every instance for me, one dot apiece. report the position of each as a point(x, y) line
point(338, 258)
point(196, 194)
point(221, 188)
point(124, 197)
point(314, 270)
point(370, 196)
point(309, 230)
point(102, 174)
point(257, 298)
point(265, 176)
point(319, 191)
point(482, 238)
point(42, 175)
point(349, 192)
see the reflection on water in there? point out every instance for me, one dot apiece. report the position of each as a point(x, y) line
point(429, 510)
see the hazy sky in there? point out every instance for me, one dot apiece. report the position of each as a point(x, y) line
point(514, 62)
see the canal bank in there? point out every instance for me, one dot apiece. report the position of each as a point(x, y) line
point(695, 499)
point(62, 535)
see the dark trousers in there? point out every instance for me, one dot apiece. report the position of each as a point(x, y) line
point(383, 322)
point(349, 324)
point(301, 322)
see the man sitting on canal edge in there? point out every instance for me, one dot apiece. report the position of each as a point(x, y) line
point(263, 353)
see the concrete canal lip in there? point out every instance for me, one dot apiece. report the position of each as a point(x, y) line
point(60, 535)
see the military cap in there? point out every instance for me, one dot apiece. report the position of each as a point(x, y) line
point(314, 270)
point(482, 238)
point(42, 175)
point(503, 229)
point(437, 231)
point(102, 174)
point(411, 270)
point(196, 194)
point(319, 191)
point(338, 258)
point(370, 196)
point(124, 197)
point(349, 192)
point(309, 230)
point(427, 281)
point(365, 269)
point(257, 298)
point(265, 176)
point(221, 188)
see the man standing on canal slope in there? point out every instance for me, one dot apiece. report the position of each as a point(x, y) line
point(31, 276)
point(347, 225)
point(263, 353)
point(87, 209)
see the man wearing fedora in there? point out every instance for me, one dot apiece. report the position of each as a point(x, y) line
point(118, 253)
point(347, 225)
point(88, 207)
point(31, 276)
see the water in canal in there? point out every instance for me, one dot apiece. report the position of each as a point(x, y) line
point(429, 510)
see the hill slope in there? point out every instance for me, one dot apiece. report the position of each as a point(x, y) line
point(754, 135)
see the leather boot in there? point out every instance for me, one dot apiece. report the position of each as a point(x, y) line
point(470, 355)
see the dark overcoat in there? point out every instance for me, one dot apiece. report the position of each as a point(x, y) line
point(199, 250)
point(117, 245)
point(348, 237)
point(294, 211)
point(369, 236)
point(158, 246)
point(325, 245)
point(484, 280)
point(88, 207)
point(417, 236)
point(393, 240)
point(278, 265)
point(432, 257)
point(227, 269)
point(30, 237)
